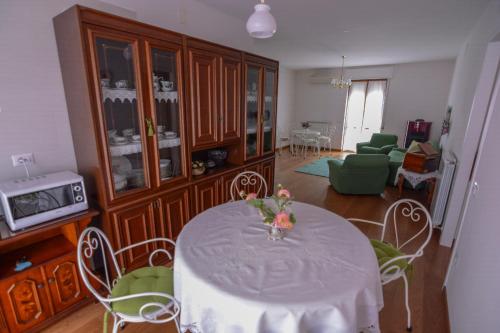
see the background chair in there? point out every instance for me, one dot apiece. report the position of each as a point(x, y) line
point(283, 139)
point(143, 295)
point(380, 143)
point(327, 137)
point(310, 140)
point(248, 182)
point(395, 264)
point(359, 174)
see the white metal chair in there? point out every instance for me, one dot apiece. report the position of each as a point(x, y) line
point(93, 243)
point(391, 270)
point(283, 138)
point(310, 140)
point(248, 181)
point(327, 137)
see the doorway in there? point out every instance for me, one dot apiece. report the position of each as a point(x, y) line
point(364, 111)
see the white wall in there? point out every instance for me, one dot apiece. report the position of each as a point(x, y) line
point(33, 116)
point(466, 74)
point(415, 90)
point(418, 90)
point(319, 102)
point(286, 98)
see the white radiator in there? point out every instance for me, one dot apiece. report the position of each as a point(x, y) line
point(442, 192)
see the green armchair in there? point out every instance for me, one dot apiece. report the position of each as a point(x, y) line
point(359, 174)
point(380, 143)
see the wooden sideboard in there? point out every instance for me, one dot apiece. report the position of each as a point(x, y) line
point(51, 288)
point(145, 102)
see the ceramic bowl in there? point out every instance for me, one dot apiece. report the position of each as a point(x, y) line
point(119, 139)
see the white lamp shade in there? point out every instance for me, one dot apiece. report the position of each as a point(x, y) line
point(261, 24)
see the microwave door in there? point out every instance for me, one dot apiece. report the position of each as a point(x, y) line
point(41, 201)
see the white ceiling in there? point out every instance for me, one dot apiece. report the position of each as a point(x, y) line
point(316, 33)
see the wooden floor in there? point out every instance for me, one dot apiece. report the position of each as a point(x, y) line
point(426, 295)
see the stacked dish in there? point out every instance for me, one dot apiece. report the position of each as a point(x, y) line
point(165, 168)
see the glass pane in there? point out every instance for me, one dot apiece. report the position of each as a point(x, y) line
point(268, 111)
point(252, 110)
point(119, 99)
point(164, 78)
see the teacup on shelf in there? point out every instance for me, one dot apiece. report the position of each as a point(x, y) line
point(121, 84)
point(111, 133)
point(105, 83)
point(160, 128)
point(136, 138)
point(167, 85)
point(128, 132)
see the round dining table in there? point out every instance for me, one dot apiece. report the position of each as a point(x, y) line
point(229, 277)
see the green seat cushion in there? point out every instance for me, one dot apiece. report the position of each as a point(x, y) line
point(386, 252)
point(146, 279)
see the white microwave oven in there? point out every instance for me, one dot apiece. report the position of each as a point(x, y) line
point(30, 201)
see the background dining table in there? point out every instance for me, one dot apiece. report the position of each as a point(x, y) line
point(323, 277)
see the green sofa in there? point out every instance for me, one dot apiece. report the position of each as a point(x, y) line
point(359, 174)
point(380, 143)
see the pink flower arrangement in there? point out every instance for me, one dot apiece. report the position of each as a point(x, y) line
point(283, 219)
point(284, 193)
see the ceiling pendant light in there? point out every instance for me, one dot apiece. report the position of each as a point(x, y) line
point(261, 24)
point(341, 82)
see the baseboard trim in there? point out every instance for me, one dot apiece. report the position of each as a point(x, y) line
point(447, 314)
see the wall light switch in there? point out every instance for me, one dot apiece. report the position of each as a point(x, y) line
point(26, 158)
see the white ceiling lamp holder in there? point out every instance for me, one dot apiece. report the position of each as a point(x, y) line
point(261, 24)
point(341, 83)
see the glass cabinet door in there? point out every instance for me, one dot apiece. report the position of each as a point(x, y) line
point(164, 74)
point(117, 71)
point(268, 111)
point(252, 111)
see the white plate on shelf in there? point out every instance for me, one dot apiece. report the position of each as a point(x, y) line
point(119, 143)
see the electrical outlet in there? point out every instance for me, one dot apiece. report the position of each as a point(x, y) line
point(26, 158)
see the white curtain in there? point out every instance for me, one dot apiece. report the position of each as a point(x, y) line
point(354, 115)
point(365, 106)
point(374, 107)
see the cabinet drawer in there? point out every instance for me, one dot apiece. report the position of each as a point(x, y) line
point(205, 195)
point(133, 225)
point(174, 213)
point(64, 282)
point(25, 300)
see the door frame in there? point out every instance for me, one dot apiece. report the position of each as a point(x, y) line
point(344, 127)
point(470, 145)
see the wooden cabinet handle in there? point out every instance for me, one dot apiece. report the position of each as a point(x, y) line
point(40, 285)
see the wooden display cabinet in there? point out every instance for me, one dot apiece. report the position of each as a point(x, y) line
point(214, 94)
point(141, 100)
point(51, 287)
point(261, 84)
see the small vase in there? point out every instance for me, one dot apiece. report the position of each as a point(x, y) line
point(275, 233)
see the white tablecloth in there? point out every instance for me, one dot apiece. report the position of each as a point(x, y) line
point(230, 278)
point(414, 178)
point(306, 132)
